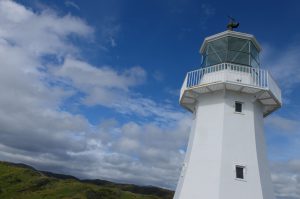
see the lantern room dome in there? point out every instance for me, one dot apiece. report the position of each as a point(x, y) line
point(230, 47)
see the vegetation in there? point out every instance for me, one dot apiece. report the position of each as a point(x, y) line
point(19, 181)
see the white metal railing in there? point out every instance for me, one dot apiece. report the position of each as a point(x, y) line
point(234, 73)
point(272, 85)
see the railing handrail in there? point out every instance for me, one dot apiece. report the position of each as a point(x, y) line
point(220, 67)
point(260, 78)
point(271, 77)
point(184, 85)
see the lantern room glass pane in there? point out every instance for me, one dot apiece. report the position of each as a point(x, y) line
point(212, 59)
point(209, 49)
point(237, 44)
point(254, 62)
point(232, 50)
point(218, 45)
point(238, 57)
point(254, 52)
point(215, 58)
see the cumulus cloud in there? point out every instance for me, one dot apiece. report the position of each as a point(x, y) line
point(130, 152)
point(284, 130)
point(283, 64)
point(41, 68)
point(28, 115)
point(101, 84)
point(44, 33)
point(283, 124)
point(285, 161)
point(105, 86)
point(72, 4)
point(286, 178)
point(152, 153)
point(109, 30)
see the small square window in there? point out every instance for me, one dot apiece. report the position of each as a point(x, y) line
point(239, 172)
point(238, 107)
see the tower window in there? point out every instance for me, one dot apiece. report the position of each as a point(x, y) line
point(238, 107)
point(240, 172)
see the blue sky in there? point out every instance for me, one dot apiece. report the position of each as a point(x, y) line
point(91, 88)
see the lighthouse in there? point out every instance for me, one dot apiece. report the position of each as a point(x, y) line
point(229, 97)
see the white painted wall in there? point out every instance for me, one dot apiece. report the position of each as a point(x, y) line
point(221, 139)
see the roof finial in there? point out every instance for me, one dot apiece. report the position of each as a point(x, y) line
point(232, 24)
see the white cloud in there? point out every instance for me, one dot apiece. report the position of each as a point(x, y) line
point(286, 178)
point(109, 30)
point(285, 161)
point(86, 77)
point(29, 107)
point(110, 88)
point(127, 153)
point(72, 4)
point(44, 33)
point(36, 130)
point(282, 124)
point(283, 64)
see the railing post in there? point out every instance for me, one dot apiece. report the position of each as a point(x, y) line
point(189, 79)
point(267, 86)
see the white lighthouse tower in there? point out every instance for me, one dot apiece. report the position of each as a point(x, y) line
point(229, 96)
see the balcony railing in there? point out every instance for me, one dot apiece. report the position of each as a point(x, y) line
point(232, 73)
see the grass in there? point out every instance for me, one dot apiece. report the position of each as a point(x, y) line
point(26, 183)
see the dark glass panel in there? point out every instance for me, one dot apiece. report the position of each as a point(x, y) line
point(238, 44)
point(239, 172)
point(238, 57)
point(254, 52)
point(254, 63)
point(238, 107)
point(219, 45)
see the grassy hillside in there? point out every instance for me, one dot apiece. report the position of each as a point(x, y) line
point(19, 181)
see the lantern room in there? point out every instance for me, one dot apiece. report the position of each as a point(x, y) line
point(230, 47)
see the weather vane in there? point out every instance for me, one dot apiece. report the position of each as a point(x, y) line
point(232, 23)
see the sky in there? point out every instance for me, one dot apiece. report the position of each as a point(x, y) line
point(90, 88)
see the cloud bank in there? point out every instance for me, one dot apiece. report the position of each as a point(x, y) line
point(42, 68)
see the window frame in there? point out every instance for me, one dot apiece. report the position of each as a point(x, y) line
point(243, 167)
point(235, 107)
